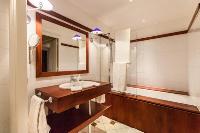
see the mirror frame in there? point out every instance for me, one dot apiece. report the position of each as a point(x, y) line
point(39, 73)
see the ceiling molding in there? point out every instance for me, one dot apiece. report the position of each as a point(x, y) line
point(160, 36)
point(172, 33)
point(69, 45)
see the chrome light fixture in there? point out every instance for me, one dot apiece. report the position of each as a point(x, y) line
point(96, 31)
point(33, 42)
point(42, 4)
point(76, 37)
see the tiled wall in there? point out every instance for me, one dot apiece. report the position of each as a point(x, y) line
point(171, 62)
point(4, 66)
point(161, 63)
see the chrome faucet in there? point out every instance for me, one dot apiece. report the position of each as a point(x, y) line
point(74, 80)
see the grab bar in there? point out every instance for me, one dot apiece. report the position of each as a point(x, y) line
point(50, 100)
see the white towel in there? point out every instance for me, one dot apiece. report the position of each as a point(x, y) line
point(119, 76)
point(37, 117)
point(100, 99)
point(198, 107)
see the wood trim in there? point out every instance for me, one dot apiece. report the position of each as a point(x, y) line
point(39, 73)
point(172, 33)
point(68, 20)
point(64, 99)
point(160, 89)
point(152, 115)
point(160, 36)
point(74, 120)
point(69, 45)
point(159, 102)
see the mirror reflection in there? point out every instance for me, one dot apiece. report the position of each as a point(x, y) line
point(60, 51)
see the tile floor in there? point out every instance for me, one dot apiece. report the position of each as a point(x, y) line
point(106, 125)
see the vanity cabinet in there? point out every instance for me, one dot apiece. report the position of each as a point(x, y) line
point(66, 118)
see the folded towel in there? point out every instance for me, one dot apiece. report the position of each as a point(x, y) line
point(119, 76)
point(100, 99)
point(198, 107)
point(37, 117)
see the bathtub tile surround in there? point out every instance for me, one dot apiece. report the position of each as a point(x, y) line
point(104, 125)
point(160, 62)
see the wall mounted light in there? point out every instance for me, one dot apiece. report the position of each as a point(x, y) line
point(39, 4)
point(33, 42)
point(76, 37)
point(42, 4)
point(96, 31)
point(28, 19)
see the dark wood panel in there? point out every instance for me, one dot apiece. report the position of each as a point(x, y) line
point(73, 120)
point(159, 89)
point(68, 45)
point(39, 73)
point(64, 99)
point(160, 36)
point(152, 115)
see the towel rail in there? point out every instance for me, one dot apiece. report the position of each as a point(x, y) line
point(50, 100)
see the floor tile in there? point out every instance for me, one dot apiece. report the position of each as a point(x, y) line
point(106, 125)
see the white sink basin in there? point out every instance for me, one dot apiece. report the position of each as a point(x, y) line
point(79, 85)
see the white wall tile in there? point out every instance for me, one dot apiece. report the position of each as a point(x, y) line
point(162, 63)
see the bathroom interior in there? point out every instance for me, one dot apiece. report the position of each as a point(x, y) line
point(117, 66)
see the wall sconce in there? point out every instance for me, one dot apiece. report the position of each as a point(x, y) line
point(33, 42)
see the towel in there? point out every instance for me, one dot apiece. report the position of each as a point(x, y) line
point(119, 76)
point(198, 107)
point(100, 99)
point(37, 117)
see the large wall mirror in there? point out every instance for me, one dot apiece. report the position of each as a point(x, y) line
point(57, 53)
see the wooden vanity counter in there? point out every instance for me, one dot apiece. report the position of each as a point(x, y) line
point(64, 99)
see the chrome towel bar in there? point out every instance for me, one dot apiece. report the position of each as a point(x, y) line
point(50, 100)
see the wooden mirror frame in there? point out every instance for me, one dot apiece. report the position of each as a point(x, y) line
point(39, 73)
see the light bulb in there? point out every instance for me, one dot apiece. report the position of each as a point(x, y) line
point(42, 4)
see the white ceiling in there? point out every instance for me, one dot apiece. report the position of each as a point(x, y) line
point(138, 14)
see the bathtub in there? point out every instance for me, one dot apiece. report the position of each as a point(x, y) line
point(153, 111)
point(178, 98)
